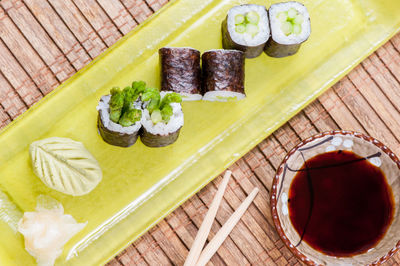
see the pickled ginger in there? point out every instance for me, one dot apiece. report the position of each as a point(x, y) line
point(47, 230)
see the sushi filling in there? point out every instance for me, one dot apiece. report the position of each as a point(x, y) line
point(223, 96)
point(104, 110)
point(248, 24)
point(291, 21)
point(156, 121)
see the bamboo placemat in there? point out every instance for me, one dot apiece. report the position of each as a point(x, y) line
point(42, 43)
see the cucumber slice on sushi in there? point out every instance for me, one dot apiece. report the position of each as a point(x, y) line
point(223, 75)
point(239, 19)
point(290, 27)
point(162, 118)
point(119, 115)
point(246, 28)
point(180, 72)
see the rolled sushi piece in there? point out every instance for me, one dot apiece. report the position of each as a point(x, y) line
point(162, 118)
point(246, 28)
point(119, 115)
point(223, 75)
point(290, 27)
point(180, 72)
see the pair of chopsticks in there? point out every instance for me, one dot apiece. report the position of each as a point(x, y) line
point(196, 256)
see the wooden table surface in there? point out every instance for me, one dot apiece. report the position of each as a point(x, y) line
point(42, 43)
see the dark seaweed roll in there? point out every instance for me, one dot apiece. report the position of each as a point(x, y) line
point(290, 27)
point(160, 133)
point(180, 72)
point(246, 28)
point(114, 133)
point(223, 75)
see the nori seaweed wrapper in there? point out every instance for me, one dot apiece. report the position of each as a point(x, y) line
point(229, 43)
point(223, 70)
point(156, 140)
point(278, 50)
point(115, 138)
point(180, 70)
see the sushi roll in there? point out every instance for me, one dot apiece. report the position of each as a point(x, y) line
point(246, 28)
point(223, 75)
point(290, 27)
point(119, 115)
point(180, 72)
point(162, 118)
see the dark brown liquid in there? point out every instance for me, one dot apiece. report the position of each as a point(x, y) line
point(340, 203)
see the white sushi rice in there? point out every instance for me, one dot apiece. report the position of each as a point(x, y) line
point(223, 96)
point(222, 50)
point(104, 108)
point(276, 32)
point(182, 47)
point(161, 128)
point(245, 38)
point(190, 97)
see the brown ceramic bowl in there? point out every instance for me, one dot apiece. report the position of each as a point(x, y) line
point(335, 140)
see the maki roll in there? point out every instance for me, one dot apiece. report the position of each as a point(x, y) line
point(119, 115)
point(223, 75)
point(162, 118)
point(246, 28)
point(180, 72)
point(290, 27)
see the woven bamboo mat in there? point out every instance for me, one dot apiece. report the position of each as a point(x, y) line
point(42, 43)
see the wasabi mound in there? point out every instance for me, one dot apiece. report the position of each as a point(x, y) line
point(65, 165)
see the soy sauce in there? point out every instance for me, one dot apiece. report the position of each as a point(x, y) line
point(340, 203)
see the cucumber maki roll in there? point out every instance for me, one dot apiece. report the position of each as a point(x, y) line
point(162, 118)
point(290, 27)
point(246, 28)
point(223, 75)
point(180, 72)
point(119, 115)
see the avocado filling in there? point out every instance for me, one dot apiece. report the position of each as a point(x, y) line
point(291, 21)
point(247, 23)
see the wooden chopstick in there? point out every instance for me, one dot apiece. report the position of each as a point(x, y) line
point(205, 227)
point(223, 233)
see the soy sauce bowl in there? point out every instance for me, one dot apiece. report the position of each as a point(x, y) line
point(361, 145)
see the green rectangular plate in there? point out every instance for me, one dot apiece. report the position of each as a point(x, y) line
point(142, 185)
